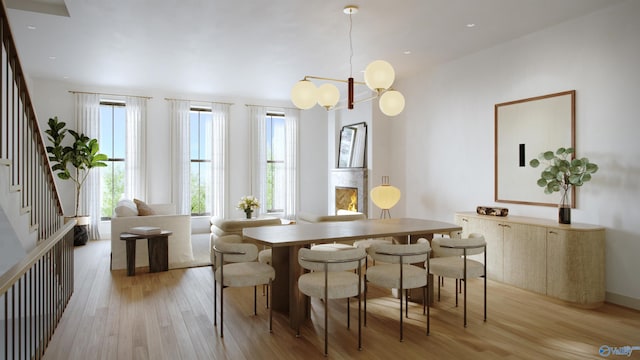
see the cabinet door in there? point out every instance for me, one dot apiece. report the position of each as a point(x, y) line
point(575, 265)
point(525, 256)
point(493, 236)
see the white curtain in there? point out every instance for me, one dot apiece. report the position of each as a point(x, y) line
point(87, 116)
point(259, 160)
point(135, 185)
point(216, 143)
point(180, 159)
point(259, 155)
point(291, 162)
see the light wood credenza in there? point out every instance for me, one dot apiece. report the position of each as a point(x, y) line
point(566, 262)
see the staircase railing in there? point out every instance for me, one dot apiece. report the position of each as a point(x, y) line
point(22, 145)
point(34, 292)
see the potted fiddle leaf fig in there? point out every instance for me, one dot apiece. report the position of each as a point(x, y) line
point(560, 174)
point(73, 162)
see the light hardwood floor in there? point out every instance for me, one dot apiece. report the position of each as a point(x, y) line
point(169, 315)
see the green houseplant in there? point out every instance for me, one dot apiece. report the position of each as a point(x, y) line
point(73, 162)
point(560, 174)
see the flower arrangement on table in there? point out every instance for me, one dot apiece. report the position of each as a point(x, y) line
point(248, 204)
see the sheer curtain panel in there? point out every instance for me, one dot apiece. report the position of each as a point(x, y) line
point(87, 117)
point(218, 148)
point(135, 185)
point(180, 159)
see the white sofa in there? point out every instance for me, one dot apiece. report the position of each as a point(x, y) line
point(180, 251)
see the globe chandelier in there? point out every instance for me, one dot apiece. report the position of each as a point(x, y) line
point(378, 76)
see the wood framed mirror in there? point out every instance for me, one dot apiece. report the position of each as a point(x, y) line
point(524, 129)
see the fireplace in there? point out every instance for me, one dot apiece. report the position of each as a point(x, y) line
point(346, 198)
point(349, 190)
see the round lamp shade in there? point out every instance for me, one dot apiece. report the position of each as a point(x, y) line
point(391, 103)
point(379, 75)
point(304, 94)
point(328, 95)
point(385, 196)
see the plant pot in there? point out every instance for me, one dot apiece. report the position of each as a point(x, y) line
point(81, 230)
point(564, 215)
point(248, 213)
point(564, 209)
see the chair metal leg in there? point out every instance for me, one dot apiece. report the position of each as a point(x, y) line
point(426, 296)
point(439, 277)
point(221, 308)
point(401, 335)
point(456, 292)
point(215, 302)
point(348, 313)
point(465, 286)
point(270, 309)
point(366, 289)
point(255, 300)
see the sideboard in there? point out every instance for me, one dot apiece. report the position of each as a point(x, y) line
point(566, 262)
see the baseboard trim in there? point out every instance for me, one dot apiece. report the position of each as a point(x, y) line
point(622, 300)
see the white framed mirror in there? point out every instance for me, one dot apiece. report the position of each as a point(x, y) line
point(523, 129)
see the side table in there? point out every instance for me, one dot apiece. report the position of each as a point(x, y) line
point(158, 245)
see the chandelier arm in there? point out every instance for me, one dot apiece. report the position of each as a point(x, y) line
point(330, 79)
point(355, 102)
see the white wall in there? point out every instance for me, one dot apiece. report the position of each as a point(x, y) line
point(448, 124)
point(52, 98)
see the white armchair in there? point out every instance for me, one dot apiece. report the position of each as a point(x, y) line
point(180, 251)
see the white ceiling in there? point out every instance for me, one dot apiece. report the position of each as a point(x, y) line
point(259, 49)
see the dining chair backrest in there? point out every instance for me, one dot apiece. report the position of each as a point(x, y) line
point(441, 251)
point(390, 253)
point(234, 250)
point(316, 260)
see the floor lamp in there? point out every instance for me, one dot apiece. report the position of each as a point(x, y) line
point(385, 197)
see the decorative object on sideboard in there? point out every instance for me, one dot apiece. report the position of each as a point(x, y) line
point(492, 210)
point(563, 171)
point(378, 75)
point(82, 155)
point(248, 204)
point(385, 196)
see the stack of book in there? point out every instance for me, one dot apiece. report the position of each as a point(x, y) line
point(144, 230)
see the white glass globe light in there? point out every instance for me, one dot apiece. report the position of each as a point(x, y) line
point(379, 75)
point(304, 94)
point(391, 103)
point(328, 96)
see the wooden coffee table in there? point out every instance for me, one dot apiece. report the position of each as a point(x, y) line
point(158, 245)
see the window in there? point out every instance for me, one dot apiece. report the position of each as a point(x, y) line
point(112, 143)
point(200, 123)
point(275, 156)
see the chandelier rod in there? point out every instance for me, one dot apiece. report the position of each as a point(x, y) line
point(307, 77)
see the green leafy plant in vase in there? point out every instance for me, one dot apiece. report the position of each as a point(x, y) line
point(560, 174)
point(73, 162)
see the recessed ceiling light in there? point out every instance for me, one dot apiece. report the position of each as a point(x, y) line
point(407, 52)
point(52, 57)
point(31, 27)
point(470, 25)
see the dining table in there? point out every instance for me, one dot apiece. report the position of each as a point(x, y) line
point(285, 241)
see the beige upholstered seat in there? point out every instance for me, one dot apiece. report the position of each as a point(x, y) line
point(451, 260)
point(396, 272)
point(235, 265)
point(330, 279)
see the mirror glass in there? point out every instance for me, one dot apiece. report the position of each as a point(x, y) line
point(353, 145)
point(524, 129)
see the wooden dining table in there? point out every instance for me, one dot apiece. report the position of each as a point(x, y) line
point(285, 241)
